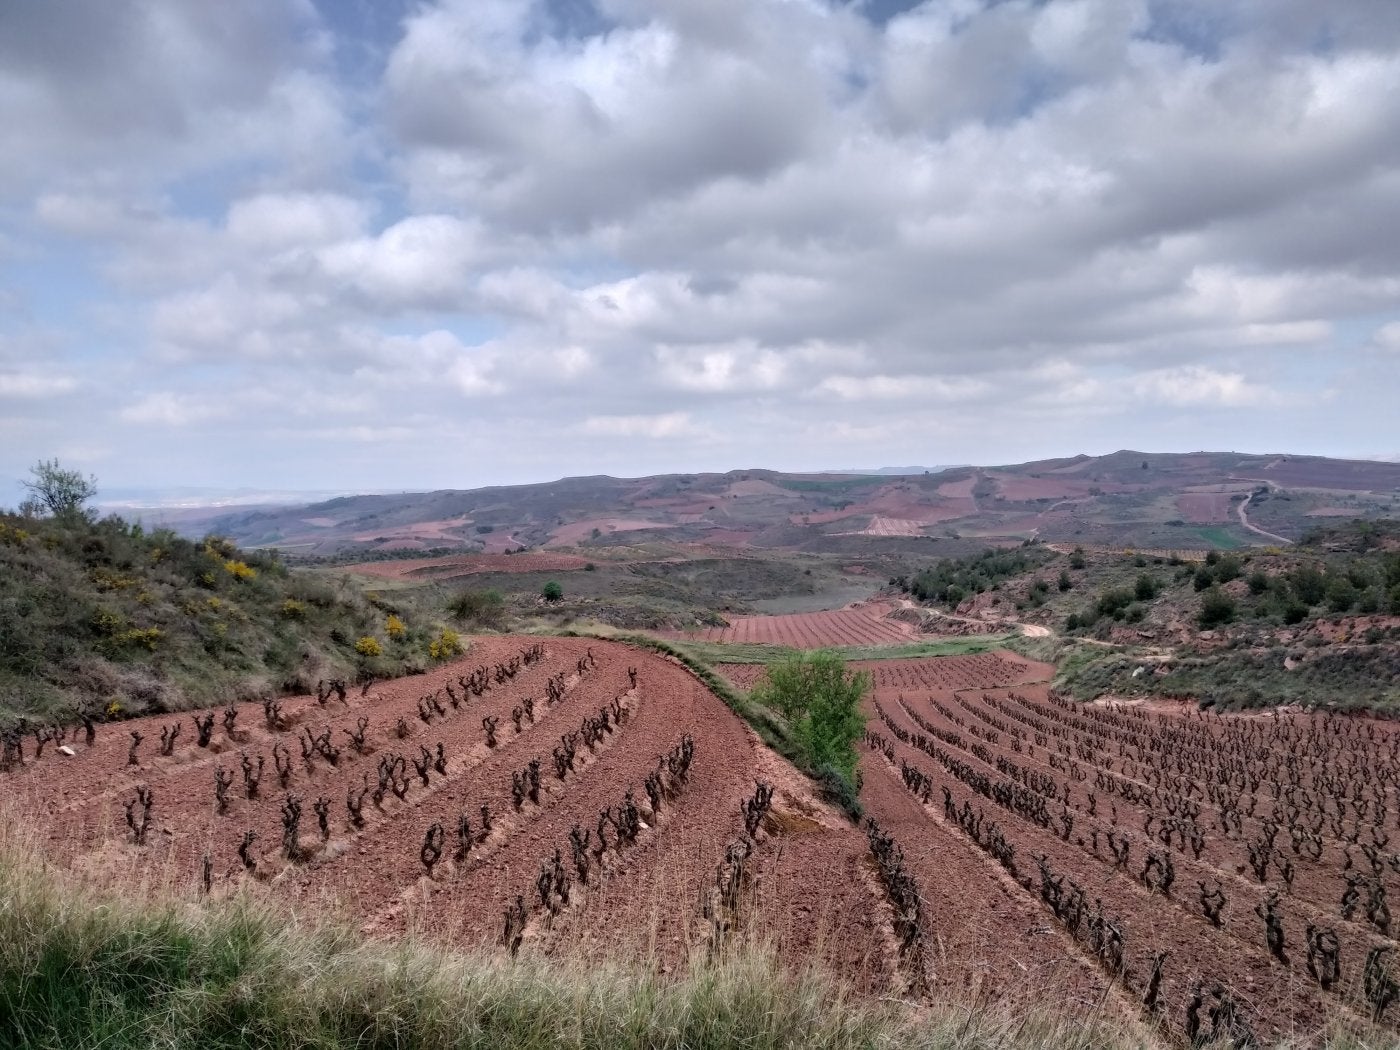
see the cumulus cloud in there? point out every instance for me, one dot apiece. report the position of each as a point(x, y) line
point(667, 425)
point(33, 385)
point(1387, 337)
point(535, 232)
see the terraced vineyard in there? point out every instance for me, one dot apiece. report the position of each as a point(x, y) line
point(1204, 875)
point(865, 624)
point(534, 795)
point(1230, 874)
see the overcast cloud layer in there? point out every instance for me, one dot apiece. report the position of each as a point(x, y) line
point(361, 245)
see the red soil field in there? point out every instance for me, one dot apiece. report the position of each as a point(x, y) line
point(467, 564)
point(1346, 475)
point(1205, 507)
point(578, 531)
point(644, 885)
point(892, 527)
point(1246, 806)
point(866, 624)
point(1022, 845)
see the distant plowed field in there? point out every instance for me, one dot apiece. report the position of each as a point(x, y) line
point(859, 625)
point(468, 564)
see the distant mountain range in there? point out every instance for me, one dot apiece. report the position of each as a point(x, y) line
point(1158, 500)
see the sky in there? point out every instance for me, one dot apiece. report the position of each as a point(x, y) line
point(359, 245)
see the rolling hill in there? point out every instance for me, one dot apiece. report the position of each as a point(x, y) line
point(1187, 501)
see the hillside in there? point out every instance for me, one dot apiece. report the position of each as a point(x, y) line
point(106, 617)
point(1316, 623)
point(1193, 501)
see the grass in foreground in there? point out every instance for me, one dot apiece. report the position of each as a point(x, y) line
point(82, 967)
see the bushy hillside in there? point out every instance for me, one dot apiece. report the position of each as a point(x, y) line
point(105, 616)
point(1314, 623)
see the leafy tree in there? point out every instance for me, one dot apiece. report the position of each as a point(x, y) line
point(1258, 582)
point(1114, 602)
point(1217, 608)
point(1145, 589)
point(821, 699)
point(1076, 558)
point(1203, 579)
point(1228, 568)
point(1065, 582)
point(57, 491)
point(1308, 583)
point(950, 581)
point(1341, 595)
point(552, 592)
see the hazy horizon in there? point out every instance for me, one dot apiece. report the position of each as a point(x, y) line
point(321, 246)
point(157, 496)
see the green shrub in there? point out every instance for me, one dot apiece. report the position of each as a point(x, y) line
point(1217, 608)
point(1114, 602)
point(552, 591)
point(483, 608)
point(821, 701)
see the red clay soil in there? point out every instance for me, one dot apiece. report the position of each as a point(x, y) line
point(868, 623)
point(1034, 788)
point(1205, 507)
point(648, 898)
point(1097, 772)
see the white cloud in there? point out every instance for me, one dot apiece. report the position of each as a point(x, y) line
point(169, 409)
point(424, 260)
point(717, 222)
point(893, 388)
point(1198, 386)
point(1387, 336)
point(287, 220)
point(666, 425)
point(34, 385)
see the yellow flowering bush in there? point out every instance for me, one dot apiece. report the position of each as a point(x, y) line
point(446, 645)
point(394, 627)
point(240, 570)
point(369, 646)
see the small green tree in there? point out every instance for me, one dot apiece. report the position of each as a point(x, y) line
point(552, 592)
point(1217, 608)
point(57, 491)
point(821, 700)
point(1065, 582)
point(1145, 589)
